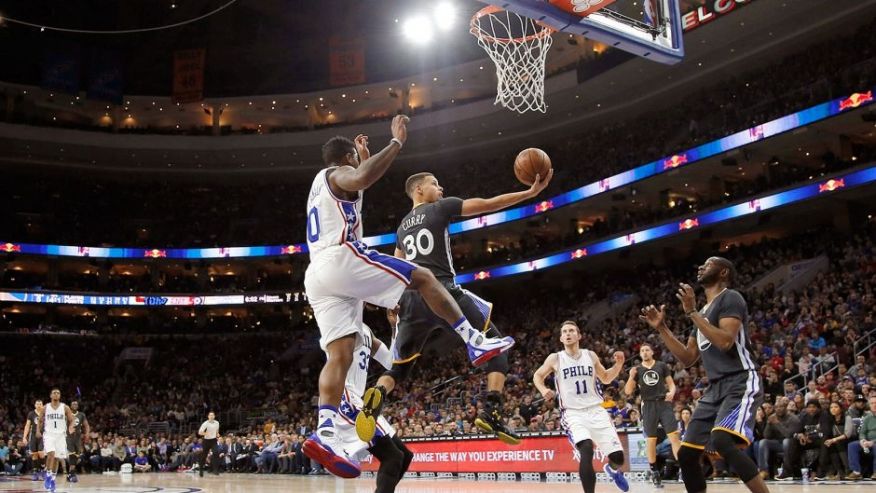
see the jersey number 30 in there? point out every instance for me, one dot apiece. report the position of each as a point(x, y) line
point(423, 244)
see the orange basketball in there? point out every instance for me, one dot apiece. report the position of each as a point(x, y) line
point(531, 162)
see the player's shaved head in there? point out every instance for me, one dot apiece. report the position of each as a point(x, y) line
point(335, 149)
point(731, 269)
point(414, 181)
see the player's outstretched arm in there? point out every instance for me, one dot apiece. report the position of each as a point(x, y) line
point(687, 354)
point(548, 367)
point(474, 207)
point(608, 376)
point(369, 171)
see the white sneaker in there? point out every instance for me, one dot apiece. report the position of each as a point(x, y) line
point(482, 348)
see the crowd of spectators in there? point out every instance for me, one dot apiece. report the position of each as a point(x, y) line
point(809, 334)
point(88, 210)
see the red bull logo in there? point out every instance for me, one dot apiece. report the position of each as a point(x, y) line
point(290, 250)
point(855, 100)
point(480, 276)
point(630, 239)
point(83, 251)
point(156, 253)
point(754, 205)
point(674, 161)
point(581, 252)
point(10, 247)
point(604, 184)
point(544, 206)
point(831, 185)
point(688, 224)
point(756, 133)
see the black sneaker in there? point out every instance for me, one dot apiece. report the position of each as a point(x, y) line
point(366, 420)
point(491, 422)
point(656, 478)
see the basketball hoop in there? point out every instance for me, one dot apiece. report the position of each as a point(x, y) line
point(518, 46)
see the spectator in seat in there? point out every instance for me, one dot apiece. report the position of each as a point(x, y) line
point(862, 448)
point(14, 462)
point(836, 443)
point(777, 436)
point(141, 462)
point(809, 435)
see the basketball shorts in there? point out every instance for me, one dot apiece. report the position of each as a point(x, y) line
point(729, 404)
point(592, 423)
point(346, 427)
point(344, 276)
point(74, 445)
point(417, 323)
point(35, 444)
point(656, 413)
point(57, 443)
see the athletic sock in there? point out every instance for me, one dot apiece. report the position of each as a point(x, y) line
point(327, 416)
point(465, 330)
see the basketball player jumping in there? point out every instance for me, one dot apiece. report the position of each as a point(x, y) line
point(724, 416)
point(74, 440)
point(56, 421)
point(34, 442)
point(386, 446)
point(657, 390)
point(344, 273)
point(585, 420)
point(422, 238)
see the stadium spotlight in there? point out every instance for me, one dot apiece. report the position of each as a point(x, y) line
point(444, 16)
point(418, 29)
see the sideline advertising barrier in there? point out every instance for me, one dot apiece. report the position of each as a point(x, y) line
point(536, 454)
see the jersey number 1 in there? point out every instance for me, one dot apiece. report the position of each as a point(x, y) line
point(581, 387)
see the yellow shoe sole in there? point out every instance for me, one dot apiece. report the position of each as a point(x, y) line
point(366, 423)
point(503, 437)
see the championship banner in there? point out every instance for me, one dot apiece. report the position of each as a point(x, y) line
point(534, 454)
point(346, 61)
point(106, 77)
point(61, 68)
point(188, 75)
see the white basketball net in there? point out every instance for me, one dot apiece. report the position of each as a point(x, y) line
point(518, 47)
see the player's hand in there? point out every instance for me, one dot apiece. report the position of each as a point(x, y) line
point(619, 357)
point(652, 316)
point(670, 396)
point(549, 395)
point(392, 315)
point(71, 429)
point(39, 434)
point(361, 142)
point(540, 184)
point(399, 127)
point(687, 297)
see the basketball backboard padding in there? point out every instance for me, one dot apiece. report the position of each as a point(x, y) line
point(666, 47)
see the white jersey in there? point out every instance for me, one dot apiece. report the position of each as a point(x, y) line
point(576, 381)
point(357, 375)
point(330, 220)
point(55, 419)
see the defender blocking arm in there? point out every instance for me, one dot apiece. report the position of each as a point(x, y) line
point(476, 206)
point(352, 179)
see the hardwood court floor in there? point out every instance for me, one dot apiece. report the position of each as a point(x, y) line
point(246, 483)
